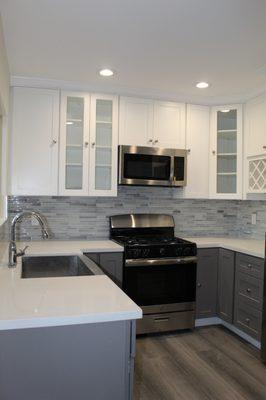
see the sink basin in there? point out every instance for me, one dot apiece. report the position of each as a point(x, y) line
point(54, 266)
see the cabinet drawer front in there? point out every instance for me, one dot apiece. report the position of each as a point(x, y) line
point(248, 319)
point(250, 290)
point(252, 266)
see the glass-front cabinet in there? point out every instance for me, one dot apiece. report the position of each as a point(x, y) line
point(88, 145)
point(226, 152)
point(103, 145)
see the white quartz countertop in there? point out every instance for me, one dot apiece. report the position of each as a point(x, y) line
point(39, 302)
point(251, 247)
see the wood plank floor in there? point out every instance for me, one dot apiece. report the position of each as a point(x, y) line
point(208, 363)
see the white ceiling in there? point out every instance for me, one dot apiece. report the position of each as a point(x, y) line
point(156, 47)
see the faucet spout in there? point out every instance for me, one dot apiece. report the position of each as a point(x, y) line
point(13, 254)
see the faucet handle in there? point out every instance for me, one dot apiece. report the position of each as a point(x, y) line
point(22, 252)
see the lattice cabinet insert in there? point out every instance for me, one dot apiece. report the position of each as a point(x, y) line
point(257, 174)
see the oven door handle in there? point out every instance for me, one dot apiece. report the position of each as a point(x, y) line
point(139, 262)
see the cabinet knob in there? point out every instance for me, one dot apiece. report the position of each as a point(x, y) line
point(150, 141)
point(264, 147)
point(247, 320)
point(248, 290)
point(93, 144)
point(199, 284)
point(86, 144)
point(213, 152)
point(249, 266)
point(189, 151)
point(54, 141)
point(156, 141)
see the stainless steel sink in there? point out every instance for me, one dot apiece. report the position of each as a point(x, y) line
point(56, 266)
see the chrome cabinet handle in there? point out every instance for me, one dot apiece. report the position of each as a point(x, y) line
point(248, 290)
point(247, 320)
point(249, 266)
point(199, 284)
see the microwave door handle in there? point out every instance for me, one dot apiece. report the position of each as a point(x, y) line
point(172, 171)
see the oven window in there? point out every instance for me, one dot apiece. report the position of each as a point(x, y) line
point(144, 166)
point(179, 168)
point(155, 285)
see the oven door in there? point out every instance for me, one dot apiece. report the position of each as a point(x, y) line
point(161, 285)
point(145, 166)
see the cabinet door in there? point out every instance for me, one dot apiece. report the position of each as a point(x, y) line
point(226, 152)
point(256, 126)
point(135, 121)
point(169, 125)
point(207, 274)
point(74, 142)
point(226, 276)
point(197, 144)
point(34, 148)
point(112, 265)
point(103, 145)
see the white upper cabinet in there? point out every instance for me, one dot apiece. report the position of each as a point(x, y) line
point(197, 144)
point(103, 145)
point(145, 122)
point(136, 121)
point(88, 145)
point(169, 124)
point(226, 154)
point(34, 142)
point(255, 126)
point(74, 144)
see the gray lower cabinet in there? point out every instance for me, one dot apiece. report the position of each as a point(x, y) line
point(207, 274)
point(249, 294)
point(226, 275)
point(90, 361)
point(110, 263)
point(231, 286)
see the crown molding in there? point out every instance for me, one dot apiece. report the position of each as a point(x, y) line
point(128, 91)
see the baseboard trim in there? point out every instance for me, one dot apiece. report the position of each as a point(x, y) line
point(218, 321)
point(243, 335)
point(207, 321)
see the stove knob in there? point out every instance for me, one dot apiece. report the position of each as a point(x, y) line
point(162, 251)
point(146, 252)
point(187, 251)
point(179, 251)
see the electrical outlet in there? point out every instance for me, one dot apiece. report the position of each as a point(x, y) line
point(253, 219)
point(34, 221)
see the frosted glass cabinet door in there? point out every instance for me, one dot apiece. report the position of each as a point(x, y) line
point(226, 152)
point(74, 142)
point(103, 145)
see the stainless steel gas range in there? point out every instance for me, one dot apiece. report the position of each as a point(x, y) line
point(159, 271)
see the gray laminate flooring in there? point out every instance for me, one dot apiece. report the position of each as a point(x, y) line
point(208, 363)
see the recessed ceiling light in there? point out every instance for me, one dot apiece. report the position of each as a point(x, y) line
point(202, 85)
point(106, 72)
point(226, 110)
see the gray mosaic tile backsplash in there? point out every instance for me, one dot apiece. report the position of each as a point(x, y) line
point(87, 217)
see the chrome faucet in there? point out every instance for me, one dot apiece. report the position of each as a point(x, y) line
point(13, 254)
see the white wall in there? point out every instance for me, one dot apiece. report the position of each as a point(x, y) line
point(4, 73)
point(4, 106)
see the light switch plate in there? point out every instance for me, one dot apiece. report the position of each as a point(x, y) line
point(253, 218)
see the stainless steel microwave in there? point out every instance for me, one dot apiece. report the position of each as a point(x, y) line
point(152, 166)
